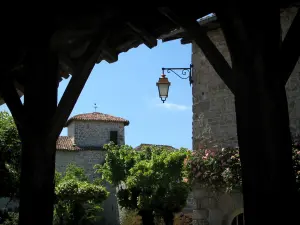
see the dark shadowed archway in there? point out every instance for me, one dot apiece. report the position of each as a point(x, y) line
point(238, 220)
point(38, 50)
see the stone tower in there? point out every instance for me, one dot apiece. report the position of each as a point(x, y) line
point(213, 103)
point(87, 133)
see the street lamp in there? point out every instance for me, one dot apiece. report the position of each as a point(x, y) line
point(163, 83)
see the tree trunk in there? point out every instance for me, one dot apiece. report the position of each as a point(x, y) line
point(147, 217)
point(77, 213)
point(262, 116)
point(169, 218)
point(38, 151)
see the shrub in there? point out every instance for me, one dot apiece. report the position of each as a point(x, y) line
point(130, 217)
point(12, 218)
point(220, 169)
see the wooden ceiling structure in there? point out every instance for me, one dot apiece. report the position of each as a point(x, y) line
point(40, 48)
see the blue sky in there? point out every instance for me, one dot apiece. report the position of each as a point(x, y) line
point(127, 88)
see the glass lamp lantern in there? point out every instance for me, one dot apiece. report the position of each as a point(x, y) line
point(163, 85)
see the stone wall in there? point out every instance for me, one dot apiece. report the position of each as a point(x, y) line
point(214, 118)
point(216, 208)
point(71, 130)
point(96, 133)
point(87, 160)
point(213, 102)
point(293, 84)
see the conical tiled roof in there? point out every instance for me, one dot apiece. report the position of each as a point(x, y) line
point(96, 116)
point(65, 143)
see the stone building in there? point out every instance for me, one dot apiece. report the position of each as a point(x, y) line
point(213, 103)
point(83, 146)
point(87, 133)
point(214, 116)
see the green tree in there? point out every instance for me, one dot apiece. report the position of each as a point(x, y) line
point(10, 157)
point(150, 180)
point(77, 200)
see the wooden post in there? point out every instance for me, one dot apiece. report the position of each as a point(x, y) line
point(290, 49)
point(40, 120)
point(269, 190)
point(38, 151)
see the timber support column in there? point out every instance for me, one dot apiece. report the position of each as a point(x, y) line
point(40, 119)
point(38, 151)
point(261, 65)
point(253, 38)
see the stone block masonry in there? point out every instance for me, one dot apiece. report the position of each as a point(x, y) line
point(213, 103)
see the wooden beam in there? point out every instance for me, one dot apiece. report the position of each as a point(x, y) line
point(38, 152)
point(75, 86)
point(109, 54)
point(12, 100)
point(261, 113)
point(149, 40)
point(198, 34)
point(290, 49)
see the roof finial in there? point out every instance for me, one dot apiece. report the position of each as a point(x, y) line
point(95, 106)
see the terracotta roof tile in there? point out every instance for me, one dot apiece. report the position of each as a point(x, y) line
point(96, 116)
point(65, 143)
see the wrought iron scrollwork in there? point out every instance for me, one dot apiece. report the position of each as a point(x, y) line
point(186, 73)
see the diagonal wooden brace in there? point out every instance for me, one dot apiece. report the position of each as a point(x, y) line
point(290, 49)
point(12, 99)
point(200, 37)
point(75, 86)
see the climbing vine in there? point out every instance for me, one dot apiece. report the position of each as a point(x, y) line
point(220, 169)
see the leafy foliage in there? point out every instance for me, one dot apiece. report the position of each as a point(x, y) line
point(78, 200)
point(10, 157)
point(296, 163)
point(215, 168)
point(12, 218)
point(150, 180)
point(182, 219)
point(119, 160)
point(130, 217)
point(220, 169)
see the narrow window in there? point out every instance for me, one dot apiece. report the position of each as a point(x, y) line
point(114, 137)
